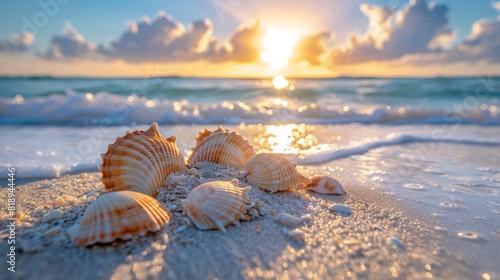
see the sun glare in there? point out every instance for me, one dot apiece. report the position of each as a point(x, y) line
point(280, 82)
point(277, 47)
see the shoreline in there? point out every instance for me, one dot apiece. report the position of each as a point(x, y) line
point(382, 238)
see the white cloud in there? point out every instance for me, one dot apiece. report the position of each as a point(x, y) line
point(496, 6)
point(161, 39)
point(417, 28)
point(17, 43)
point(70, 45)
point(482, 44)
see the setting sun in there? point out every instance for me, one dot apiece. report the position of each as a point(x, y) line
point(280, 82)
point(277, 47)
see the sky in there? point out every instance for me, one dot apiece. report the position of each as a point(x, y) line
point(247, 38)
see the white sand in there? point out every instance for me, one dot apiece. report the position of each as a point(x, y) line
point(378, 240)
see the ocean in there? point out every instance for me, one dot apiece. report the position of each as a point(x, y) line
point(433, 144)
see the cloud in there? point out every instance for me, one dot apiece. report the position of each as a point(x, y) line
point(17, 43)
point(417, 28)
point(245, 45)
point(482, 44)
point(496, 6)
point(311, 47)
point(161, 39)
point(70, 45)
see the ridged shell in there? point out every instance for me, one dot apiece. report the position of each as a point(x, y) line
point(217, 204)
point(221, 146)
point(119, 215)
point(325, 185)
point(140, 161)
point(271, 172)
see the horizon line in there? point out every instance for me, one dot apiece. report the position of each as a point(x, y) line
point(246, 77)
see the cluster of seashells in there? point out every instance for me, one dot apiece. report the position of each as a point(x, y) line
point(136, 166)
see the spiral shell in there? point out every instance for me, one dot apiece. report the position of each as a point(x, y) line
point(140, 161)
point(221, 146)
point(271, 172)
point(217, 204)
point(325, 185)
point(119, 215)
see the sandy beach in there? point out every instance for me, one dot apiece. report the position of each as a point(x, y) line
point(379, 240)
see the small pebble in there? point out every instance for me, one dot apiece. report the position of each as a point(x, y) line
point(30, 247)
point(341, 209)
point(288, 220)
point(193, 172)
point(397, 242)
point(53, 214)
point(171, 207)
point(178, 179)
point(51, 232)
point(181, 229)
point(59, 202)
point(92, 194)
point(297, 234)
point(306, 218)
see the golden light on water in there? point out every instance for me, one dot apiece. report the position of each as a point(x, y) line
point(287, 138)
point(277, 47)
point(280, 82)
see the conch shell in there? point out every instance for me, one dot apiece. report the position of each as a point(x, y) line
point(221, 146)
point(119, 215)
point(217, 204)
point(140, 161)
point(325, 185)
point(272, 172)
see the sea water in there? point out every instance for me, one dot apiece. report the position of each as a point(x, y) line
point(432, 144)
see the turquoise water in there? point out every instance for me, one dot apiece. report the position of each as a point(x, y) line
point(174, 100)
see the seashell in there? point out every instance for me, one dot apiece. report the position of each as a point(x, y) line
point(119, 215)
point(217, 204)
point(325, 185)
point(273, 173)
point(140, 161)
point(221, 146)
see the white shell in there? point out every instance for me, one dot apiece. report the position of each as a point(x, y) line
point(222, 147)
point(119, 215)
point(140, 161)
point(217, 204)
point(325, 185)
point(272, 172)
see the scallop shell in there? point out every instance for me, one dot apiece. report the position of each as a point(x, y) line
point(119, 215)
point(217, 204)
point(271, 172)
point(140, 161)
point(221, 146)
point(325, 185)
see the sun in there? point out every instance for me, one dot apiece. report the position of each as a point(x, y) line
point(277, 47)
point(280, 82)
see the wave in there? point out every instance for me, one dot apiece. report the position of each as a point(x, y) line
point(77, 109)
point(330, 154)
